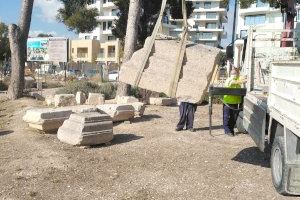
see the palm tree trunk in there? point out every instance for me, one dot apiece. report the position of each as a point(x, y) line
point(18, 41)
point(130, 40)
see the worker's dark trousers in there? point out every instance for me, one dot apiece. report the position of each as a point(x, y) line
point(230, 117)
point(187, 112)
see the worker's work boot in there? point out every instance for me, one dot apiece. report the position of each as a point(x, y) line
point(178, 129)
point(192, 130)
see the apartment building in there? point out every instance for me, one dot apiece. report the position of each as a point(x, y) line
point(205, 23)
point(93, 51)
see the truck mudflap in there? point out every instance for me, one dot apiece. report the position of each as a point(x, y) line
point(293, 184)
point(254, 120)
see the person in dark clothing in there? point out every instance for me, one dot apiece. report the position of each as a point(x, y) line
point(187, 112)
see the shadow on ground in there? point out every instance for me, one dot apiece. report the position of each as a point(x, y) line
point(253, 156)
point(146, 118)
point(207, 128)
point(120, 139)
point(5, 132)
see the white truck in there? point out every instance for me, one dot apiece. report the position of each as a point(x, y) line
point(271, 111)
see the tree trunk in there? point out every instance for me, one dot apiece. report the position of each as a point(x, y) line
point(18, 42)
point(130, 40)
point(290, 14)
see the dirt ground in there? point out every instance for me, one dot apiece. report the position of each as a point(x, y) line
point(146, 160)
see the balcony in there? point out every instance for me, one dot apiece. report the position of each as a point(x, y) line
point(107, 32)
point(200, 29)
point(205, 19)
point(220, 10)
point(257, 10)
point(109, 5)
point(107, 18)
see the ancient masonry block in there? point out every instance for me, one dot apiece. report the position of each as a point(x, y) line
point(86, 129)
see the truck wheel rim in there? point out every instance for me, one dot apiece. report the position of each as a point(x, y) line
point(277, 167)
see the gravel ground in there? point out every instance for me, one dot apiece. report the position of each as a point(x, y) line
point(146, 160)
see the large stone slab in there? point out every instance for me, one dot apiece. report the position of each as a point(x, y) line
point(95, 99)
point(64, 100)
point(118, 112)
point(47, 119)
point(198, 66)
point(85, 129)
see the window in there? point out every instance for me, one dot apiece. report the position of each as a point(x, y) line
point(115, 12)
point(260, 3)
point(104, 26)
point(211, 15)
point(207, 5)
point(206, 35)
point(197, 5)
point(243, 33)
point(101, 53)
point(211, 25)
point(95, 38)
point(197, 16)
point(255, 19)
point(111, 38)
point(72, 50)
point(109, 25)
point(87, 37)
point(111, 51)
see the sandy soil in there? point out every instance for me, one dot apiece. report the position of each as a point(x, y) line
point(146, 160)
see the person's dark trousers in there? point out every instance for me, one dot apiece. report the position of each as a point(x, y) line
point(187, 113)
point(230, 114)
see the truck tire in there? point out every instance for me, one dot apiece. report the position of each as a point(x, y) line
point(278, 166)
point(239, 123)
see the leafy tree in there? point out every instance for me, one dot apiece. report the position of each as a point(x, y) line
point(77, 16)
point(44, 35)
point(18, 35)
point(149, 15)
point(4, 42)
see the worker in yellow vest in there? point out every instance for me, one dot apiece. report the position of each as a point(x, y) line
point(231, 103)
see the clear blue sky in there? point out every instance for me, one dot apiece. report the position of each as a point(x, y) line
point(43, 17)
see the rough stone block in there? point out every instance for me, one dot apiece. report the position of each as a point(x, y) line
point(47, 119)
point(118, 112)
point(126, 99)
point(160, 101)
point(86, 129)
point(64, 100)
point(95, 99)
point(80, 98)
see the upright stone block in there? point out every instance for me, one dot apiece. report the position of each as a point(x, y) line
point(86, 129)
point(95, 99)
point(80, 98)
point(64, 100)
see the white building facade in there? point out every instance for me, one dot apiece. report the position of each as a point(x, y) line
point(108, 14)
point(205, 23)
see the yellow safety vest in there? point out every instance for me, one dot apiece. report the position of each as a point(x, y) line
point(230, 99)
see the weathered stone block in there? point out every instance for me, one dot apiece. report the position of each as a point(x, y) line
point(64, 100)
point(160, 101)
point(47, 119)
point(95, 99)
point(80, 98)
point(126, 99)
point(118, 112)
point(86, 129)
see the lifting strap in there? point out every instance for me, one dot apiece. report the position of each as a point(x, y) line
point(181, 54)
